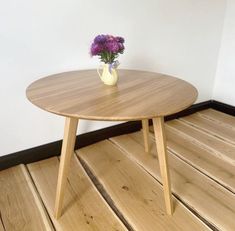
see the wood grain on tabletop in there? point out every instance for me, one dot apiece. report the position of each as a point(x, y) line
point(138, 95)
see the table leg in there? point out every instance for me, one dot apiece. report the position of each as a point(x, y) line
point(70, 130)
point(145, 129)
point(159, 131)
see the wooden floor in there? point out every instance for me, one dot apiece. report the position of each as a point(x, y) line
point(114, 185)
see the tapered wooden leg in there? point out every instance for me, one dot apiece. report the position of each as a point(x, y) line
point(145, 128)
point(159, 131)
point(70, 130)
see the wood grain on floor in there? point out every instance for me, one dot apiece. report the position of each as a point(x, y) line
point(197, 191)
point(201, 158)
point(135, 193)
point(211, 126)
point(219, 117)
point(84, 209)
point(20, 206)
point(114, 185)
point(219, 148)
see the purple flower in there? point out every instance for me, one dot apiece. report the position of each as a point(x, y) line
point(107, 47)
point(121, 47)
point(120, 39)
point(100, 39)
point(110, 38)
point(96, 49)
point(112, 46)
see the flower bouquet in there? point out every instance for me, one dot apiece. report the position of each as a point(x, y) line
point(108, 48)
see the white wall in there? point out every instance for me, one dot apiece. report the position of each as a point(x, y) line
point(38, 38)
point(224, 89)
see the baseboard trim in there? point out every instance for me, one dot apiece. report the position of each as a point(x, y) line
point(226, 108)
point(53, 149)
point(194, 108)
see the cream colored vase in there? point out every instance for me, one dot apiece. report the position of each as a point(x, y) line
point(109, 75)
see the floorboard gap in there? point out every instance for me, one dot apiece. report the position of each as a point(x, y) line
point(211, 226)
point(171, 150)
point(206, 131)
point(203, 173)
point(39, 197)
point(180, 200)
point(104, 194)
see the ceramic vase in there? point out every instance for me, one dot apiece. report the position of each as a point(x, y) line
point(109, 74)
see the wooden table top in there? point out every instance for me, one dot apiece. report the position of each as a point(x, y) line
point(138, 95)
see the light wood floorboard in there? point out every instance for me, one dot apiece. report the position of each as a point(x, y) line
point(83, 209)
point(20, 206)
point(204, 196)
point(135, 193)
point(200, 158)
point(219, 148)
point(211, 126)
point(219, 117)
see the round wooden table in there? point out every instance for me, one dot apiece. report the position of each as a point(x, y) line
point(139, 95)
